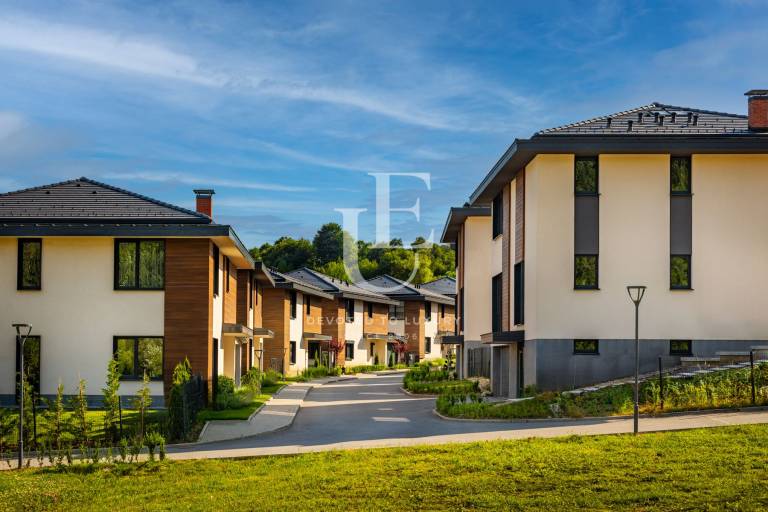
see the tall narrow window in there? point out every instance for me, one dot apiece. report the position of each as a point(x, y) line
point(215, 270)
point(308, 301)
point(461, 309)
point(31, 365)
point(519, 294)
point(496, 303)
point(294, 300)
point(428, 311)
point(680, 223)
point(292, 354)
point(227, 270)
point(370, 309)
point(586, 229)
point(427, 344)
point(139, 264)
point(442, 310)
point(349, 306)
point(349, 350)
point(497, 212)
point(29, 274)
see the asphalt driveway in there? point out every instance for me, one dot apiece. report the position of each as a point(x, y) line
point(372, 411)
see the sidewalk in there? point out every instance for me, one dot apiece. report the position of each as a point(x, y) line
point(277, 414)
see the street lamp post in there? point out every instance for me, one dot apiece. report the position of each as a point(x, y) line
point(636, 294)
point(21, 339)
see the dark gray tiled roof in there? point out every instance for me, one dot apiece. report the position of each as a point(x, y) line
point(444, 285)
point(336, 286)
point(404, 291)
point(656, 119)
point(86, 200)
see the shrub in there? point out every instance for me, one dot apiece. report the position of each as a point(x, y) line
point(79, 405)
point(365, 368)
point(152, 441)
point(440, 387)
point(142, 402)
point(111, 401)
point(271, 377)
point(252, 380)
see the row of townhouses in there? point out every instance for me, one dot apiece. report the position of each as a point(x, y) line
point(673, 198)
point(100, 272)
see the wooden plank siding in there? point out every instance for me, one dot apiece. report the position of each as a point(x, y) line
point(446, 323)
point(244, 285)
point(379, 324)
point(414, 326)
point(276, 312)
point(188, 307)
point(229, 293)
point(313, 320)
point(334, 324)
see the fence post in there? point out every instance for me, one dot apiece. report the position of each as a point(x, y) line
point(661, 384)
point(752, 373)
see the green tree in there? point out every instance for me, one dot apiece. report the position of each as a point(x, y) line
point(327, 243)
point(111, 402)
point(288, 254)
point(55, 417)
point(396, 242)
point(79, 406)
point(142, 402)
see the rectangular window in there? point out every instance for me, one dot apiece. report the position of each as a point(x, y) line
point(139, 264)
point(442, 310)
point(497, 212)
point(461, 309)
point(519, 294)
point(585, 272)
point(428, 311)
point(139, 354)
point(349, 305)
point(680, 175)
point(293, 297)
point(250, 290)
point(396, 312)
point(586, 347)
point(680, 347)
point(373, 350)
point(215, 270)
point(496, 303)
point(293, 352)
point(586, 175)
point(29, 272)
point(427, 344)
point(370, 309)
point(308, 304)
point(31, 364)
point(680, 272)
point(349, 350)
point(226, 270)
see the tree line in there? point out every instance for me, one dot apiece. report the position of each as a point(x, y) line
point(324, 254)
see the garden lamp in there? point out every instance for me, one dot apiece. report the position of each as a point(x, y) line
point(636, 294)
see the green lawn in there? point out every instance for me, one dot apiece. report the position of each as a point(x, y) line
point(240, 413)
point(708, 469)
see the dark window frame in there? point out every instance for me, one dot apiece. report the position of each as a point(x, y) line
point(17, 378)
point(496, 302)
point(250, 286)
point(596, 159)
point(307, 304)
point(596, 286)
point(427, 311)
point(689, 286)
point(136, 376)
point(215, 270)
point(427, 344)
point(442, 310)
point(497, 216)
point(137, 266)
point(586, 352)
point(369, 306)
point(292, 352)
point(227, 273)
point(20, 265)
point(349, 311)
point(519, 293)
point(688, 192)
point(678, 352)
point(293, 296)
point(349, 350)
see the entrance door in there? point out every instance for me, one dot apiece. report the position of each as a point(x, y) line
point(31, 366)
point(313, 347)
point(500, 373)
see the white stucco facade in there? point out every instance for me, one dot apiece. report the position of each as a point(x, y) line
point(430, 331)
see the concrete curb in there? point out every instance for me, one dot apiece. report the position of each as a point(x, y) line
point(697, 412)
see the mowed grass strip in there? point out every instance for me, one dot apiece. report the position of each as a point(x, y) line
point(708, 469)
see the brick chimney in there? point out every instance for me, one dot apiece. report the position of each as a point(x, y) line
point(758, 109)
point(204, 201)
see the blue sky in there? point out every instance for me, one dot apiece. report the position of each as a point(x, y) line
point(286, 107)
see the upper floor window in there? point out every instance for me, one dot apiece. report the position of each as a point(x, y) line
point(497, 212)
point(308, 301)
point(370, 309)
point(349, 305)
point(136, 355)
point(428, 311)
point(30, 266)
point(586, 175)
point(215, 270)
point(396, 312)
point(139, 264)
point(680, 175)
point(496, 295)
point(226, 272)
point(442, 310)
point(680, 272)
point(294, 299)
point(585, 272)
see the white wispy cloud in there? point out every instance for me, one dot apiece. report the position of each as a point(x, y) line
point(176, 177)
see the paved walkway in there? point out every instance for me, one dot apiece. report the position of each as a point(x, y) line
point(371, 411)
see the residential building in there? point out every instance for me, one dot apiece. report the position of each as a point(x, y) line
point(101, 272)
point(355, 315)
point(668, 197)
point(293, 312)
point(421, 317)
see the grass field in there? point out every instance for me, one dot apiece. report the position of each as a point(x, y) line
point(710, 469)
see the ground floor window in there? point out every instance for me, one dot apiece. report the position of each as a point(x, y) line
point(680, 347)
point(349, 350)
point(293, 352)
point(586, 347)
point(139, 354)
point(31, 364)
point(427, 344)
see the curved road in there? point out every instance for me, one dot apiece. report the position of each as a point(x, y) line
point(372, 411)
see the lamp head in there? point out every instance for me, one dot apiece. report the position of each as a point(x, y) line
point(636, 293)
point(20, 327)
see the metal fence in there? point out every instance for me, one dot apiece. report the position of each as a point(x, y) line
point(479, 362)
